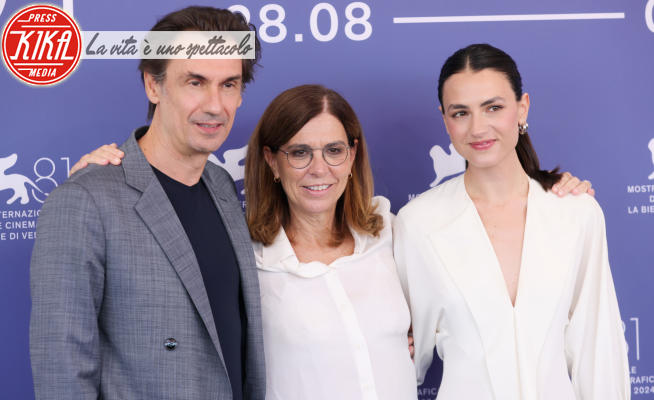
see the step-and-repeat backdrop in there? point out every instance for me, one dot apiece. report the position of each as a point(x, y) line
point(586, 64)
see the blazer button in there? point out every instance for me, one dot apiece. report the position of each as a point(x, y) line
point(170, 344)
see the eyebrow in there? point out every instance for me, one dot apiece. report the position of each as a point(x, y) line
point(202, 78)
point(493, 100)
point(307, 146)
point(191, 75)
point(457, 107)
point(233, 78)
point(485, 103)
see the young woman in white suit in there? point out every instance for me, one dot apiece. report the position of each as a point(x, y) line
point(510, 283)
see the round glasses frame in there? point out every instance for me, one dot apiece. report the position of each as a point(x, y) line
point(324, 157)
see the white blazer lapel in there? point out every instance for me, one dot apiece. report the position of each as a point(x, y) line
point(466, 252)
point(544, 274)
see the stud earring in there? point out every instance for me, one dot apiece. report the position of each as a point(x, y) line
point(522, 128)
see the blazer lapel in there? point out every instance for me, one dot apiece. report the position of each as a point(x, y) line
point(468, 256)
point(158, 215)
point(224, 196)
point(543, 275)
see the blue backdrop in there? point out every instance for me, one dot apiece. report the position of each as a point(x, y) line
point(589, 76)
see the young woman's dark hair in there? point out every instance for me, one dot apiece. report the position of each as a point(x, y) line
point(477, 57)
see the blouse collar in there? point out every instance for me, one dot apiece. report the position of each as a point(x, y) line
point(279, 256)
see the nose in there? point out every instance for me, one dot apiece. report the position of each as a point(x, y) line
point(479, 125)
point(318, 166)
point(214, 102)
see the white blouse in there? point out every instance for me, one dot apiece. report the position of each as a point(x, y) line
point(563, 340)
point(338, 331)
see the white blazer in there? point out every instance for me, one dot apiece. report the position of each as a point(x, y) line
point(564, 337)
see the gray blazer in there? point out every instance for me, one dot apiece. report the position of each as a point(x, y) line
point(114, 276)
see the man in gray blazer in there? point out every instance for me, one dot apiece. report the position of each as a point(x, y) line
point(143, 278)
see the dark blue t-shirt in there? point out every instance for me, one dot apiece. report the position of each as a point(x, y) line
point(220, 272)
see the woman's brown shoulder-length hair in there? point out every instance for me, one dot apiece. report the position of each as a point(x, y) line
point(267, 206)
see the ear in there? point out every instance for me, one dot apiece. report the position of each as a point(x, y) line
point(152, 88)
point(523, 108)
point(440, 108)
point(353, 151)
point(271, 160)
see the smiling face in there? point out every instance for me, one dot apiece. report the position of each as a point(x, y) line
point(481, 116)
point(196, 104)
point(315, 189)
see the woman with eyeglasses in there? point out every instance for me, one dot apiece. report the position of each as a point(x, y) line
point(334, 316)
point(335, 319)
point(508, 282)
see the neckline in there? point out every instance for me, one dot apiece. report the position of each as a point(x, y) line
point(174, 182)
point(280, 256)
point(489, 246)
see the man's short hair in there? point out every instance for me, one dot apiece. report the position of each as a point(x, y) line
point(196, 18)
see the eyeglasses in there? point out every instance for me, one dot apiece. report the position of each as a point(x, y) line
point(300, 156)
